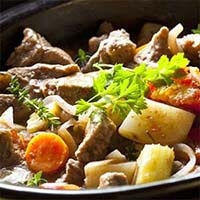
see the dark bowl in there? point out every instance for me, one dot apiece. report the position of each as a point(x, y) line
point(62, 22)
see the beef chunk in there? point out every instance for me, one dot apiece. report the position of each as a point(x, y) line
point(190, 45)
point(21, 112)
point(8, 154)
point(154, 49)
point(71, 88)
point(94, 42)
point(74, 172)
point(35, 49)
point(112, 179)
point(42, 71)
point(117, 48)
point(105, 28)
point(94, 146)
point(146, 32)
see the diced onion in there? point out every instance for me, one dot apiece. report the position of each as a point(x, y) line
point(173, 34)
point(192, 159)
point(66, 136)
point(7, 118)
point(71, 109)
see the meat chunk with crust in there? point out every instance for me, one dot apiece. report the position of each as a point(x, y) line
point(21, 112)
point(157, 47)
point(117, 48)
point(71, 88)
point(190, 45)
point(74, 172)
point(8, 153)
point(94, 146)
point(35, 49)
point(112, 179)
point(42, 71)
point(146, 32)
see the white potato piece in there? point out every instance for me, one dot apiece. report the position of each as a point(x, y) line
point(154, 163)
point(158, 123)
point(117, 156)
point(94, 170)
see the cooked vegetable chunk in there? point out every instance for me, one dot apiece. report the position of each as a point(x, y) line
point(159, 123)
point(154, 163)
point(46, 152)
point(94, 170)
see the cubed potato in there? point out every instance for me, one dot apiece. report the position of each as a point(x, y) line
point(94, 170)
point(154, 163)
point(158, 123)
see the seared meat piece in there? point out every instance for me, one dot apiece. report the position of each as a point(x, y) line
point(42, 71)
point(21, 112)
point(8, 154)
point(117, 48)
point(146, 32)
point(190, 45)
point(158, 46)
point(71, 88)
point(5, 79)
point(74, 172)
point(94, 42)
point(94, 146)
point(112, 179)
point(35, 49)
point(105, 28)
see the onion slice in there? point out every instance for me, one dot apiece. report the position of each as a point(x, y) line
point(67, 137)
point(173, 34)
point(192, 159)
point(7, 118)
point(71, 109)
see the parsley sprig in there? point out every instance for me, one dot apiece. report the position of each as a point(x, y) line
point(196, 31)
point(125, 89)
point(34, 104)
point(82, 58)
point(36, 180)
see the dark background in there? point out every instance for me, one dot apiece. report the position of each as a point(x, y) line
point(6, 4)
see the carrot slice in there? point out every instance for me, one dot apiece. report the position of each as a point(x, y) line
point(46, 152)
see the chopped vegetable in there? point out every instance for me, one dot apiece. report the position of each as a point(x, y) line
point(158, 123)
point(35, 104)
point(46, 152)
point(94, 170)
point(154, 163)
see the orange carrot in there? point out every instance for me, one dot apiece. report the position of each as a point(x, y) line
point(46, 152)
point(59, 186)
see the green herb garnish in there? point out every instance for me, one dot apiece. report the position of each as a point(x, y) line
point(34, 104)
point(82, 58)
point(125, 89)
point(196, 31)
point(36, 180)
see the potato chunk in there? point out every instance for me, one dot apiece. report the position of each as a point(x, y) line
point(94, 170)
point(158, 123)
point(154, 163)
